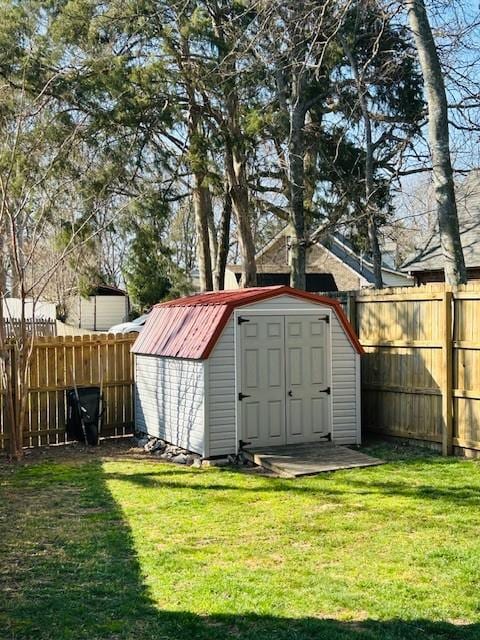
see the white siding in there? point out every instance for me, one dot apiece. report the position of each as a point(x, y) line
point(169, 400)
point(221, 430)
point(221, 394)
point(345, 388)
point(98, 313)
point(281, 302)
point(110, 310)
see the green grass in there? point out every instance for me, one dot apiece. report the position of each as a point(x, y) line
point(122, 548)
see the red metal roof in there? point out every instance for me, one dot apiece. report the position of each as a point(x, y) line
point(189, 327)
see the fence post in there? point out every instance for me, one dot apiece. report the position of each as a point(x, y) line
point(352, 309)
point(447, 378)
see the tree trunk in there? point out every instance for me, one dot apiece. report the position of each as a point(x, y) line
point(198, 163)
point(235, 157)
point(201, 199)
point(312, 124)
point(223, 242)
point(238, 188)
point(369, 171)
point(455, 272)
point(296, 149)
point(212, 235)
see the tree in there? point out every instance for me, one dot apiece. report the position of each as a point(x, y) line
point(387, 104)
point(455, 271)
point(40, 151)
point(146, 271)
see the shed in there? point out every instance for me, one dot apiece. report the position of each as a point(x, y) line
point(263, 366)
point(106, 306)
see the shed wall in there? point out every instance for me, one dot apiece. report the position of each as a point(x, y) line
point(221, 432)
point(98, 313)
point(169, 400)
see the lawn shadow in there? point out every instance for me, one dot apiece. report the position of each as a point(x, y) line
point(69, 571)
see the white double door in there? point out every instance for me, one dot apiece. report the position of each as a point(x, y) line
point(285, 388)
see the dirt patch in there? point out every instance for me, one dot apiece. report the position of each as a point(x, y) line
point(123, 447)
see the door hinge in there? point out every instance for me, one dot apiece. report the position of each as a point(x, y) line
point(326, 319)
point(241, 396)
point(328, 391)
point(242, 320)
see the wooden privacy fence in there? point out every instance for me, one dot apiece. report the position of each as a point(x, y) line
point(58, 361)
point(421, 371)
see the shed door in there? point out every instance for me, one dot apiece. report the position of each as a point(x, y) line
point(263, 380)
point(307, 378)
point(284, 379)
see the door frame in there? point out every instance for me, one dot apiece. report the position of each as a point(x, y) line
point(239, 311)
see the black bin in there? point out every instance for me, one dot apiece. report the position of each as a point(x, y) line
point(88, 403)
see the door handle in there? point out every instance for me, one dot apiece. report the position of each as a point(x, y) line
point(290, 393)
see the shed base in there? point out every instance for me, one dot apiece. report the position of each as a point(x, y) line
point(293, 461)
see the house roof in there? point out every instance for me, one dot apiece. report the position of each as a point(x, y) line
point(189, 327)
point(430, 257)
point(341, 248)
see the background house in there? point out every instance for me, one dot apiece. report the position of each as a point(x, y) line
point(332, 265)
point(426, 265)
point(105, 307)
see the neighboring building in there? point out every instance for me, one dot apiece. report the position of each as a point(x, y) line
point(33, 310)
point(262, 366)
point(332, 265)
point(105, 307)
point(426, 265)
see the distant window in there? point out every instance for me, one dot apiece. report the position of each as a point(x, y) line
point(314, 281)
point(271, 279)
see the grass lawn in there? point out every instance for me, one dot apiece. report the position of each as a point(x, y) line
point(114, 547)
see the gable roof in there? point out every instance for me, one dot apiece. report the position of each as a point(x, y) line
point(189, 327)
point(339, 246)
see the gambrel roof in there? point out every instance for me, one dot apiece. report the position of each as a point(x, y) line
point(189, 327)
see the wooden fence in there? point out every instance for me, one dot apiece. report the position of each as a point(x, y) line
point(421, 370)
point(58, 361)
point(36, 327)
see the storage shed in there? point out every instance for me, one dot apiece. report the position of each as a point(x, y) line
point(263, 366)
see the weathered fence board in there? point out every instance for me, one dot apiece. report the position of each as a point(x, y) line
point(88, 360)
point(421, 371)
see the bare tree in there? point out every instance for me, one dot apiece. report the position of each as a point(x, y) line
point(455, 271)
point(35, 175)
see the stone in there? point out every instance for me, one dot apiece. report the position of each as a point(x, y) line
point(141, 441)
point(158, 451)
point(180, 458)
point(216, 462)
point(154, 444)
